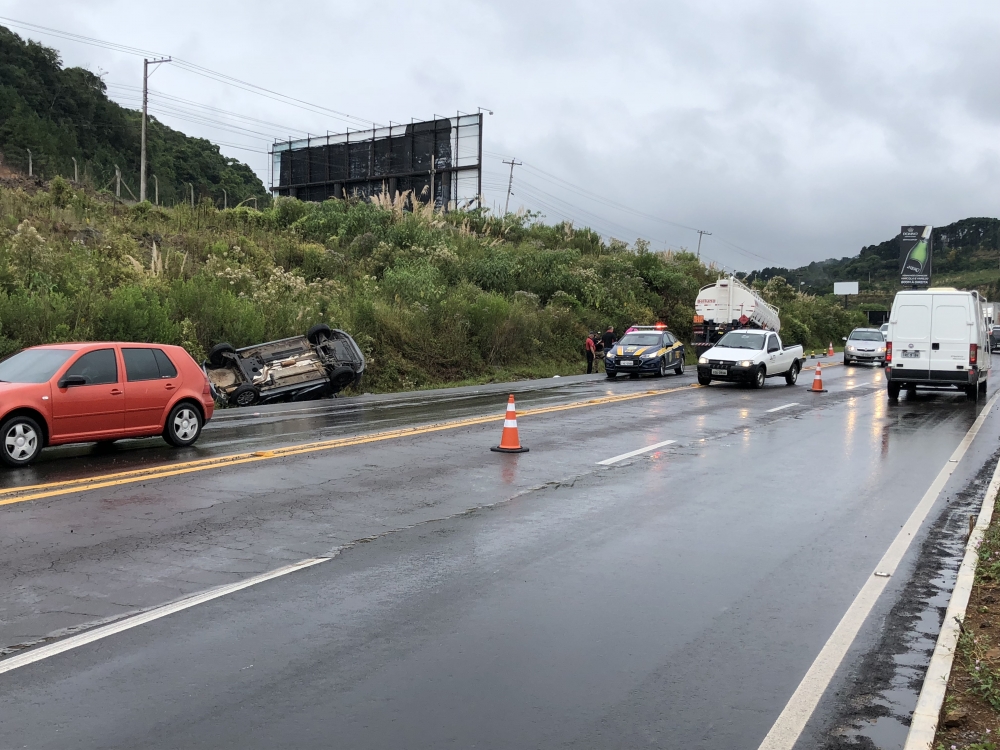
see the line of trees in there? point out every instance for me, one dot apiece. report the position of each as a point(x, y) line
point(63, 113)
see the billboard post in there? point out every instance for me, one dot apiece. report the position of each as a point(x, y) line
point(844, 288)
point(915, 255)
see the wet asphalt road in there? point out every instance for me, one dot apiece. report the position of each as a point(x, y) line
point(673, 599)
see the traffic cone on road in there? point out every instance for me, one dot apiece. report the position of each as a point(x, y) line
point(509, 441)
point(817, 382)
point(829, 351)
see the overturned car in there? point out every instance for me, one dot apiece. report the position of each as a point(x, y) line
point(322, 363)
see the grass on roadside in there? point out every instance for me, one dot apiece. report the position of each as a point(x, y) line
point(970, 718)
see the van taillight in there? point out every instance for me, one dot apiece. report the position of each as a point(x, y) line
point(973, 352)
point(888, 352)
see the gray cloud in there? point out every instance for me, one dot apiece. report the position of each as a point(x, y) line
point(796, 130)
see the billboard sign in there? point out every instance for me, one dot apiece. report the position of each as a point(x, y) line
point(437, 160)
point(845, 287)
point(915, 255)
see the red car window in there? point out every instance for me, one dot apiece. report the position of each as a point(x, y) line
point(99, 367)
point(167, 369)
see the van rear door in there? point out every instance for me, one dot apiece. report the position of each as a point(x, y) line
point(911, 329)
point(952, 330)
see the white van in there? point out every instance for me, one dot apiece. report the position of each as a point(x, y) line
point(938, 339)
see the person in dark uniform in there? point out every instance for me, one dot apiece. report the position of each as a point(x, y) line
point(608, 339)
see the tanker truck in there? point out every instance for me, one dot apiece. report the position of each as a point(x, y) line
point(727, 305)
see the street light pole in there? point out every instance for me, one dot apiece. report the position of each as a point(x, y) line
point(145, 101)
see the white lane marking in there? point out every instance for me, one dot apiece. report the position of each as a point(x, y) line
point(924, 722)
point(786, 730)
point(786, 406)
point(623, 456)
point(30, 657)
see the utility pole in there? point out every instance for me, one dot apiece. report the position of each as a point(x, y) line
point(156, 187)
point(192, 194)
point(145, 102)
point(510, 185)
point(118, 182)
point(225, 199)
point(76, 172)
point(700, 233)
point(29, 161)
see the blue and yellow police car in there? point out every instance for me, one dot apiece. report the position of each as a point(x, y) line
point(649, 350)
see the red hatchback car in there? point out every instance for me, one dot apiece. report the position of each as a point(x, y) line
point(80, 393)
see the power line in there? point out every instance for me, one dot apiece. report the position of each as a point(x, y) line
point(195, 69)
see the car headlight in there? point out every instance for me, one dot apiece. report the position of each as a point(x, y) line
point(651, 355)
point(881, 350)
point(850, 348)
point(746, 363)
point(702, 360)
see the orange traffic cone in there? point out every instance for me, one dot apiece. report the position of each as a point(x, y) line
point(829, 351)
point(817, 382)
point(509, 441)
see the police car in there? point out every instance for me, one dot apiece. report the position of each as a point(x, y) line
point(650, 350)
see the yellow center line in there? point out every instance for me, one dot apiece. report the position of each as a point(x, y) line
point(14, 495)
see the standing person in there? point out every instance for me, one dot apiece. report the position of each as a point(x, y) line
point(589, 349)
point(599, 354)
point(608, 339)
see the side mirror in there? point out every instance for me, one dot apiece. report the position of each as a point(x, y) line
point(71, 380)
point(844, 338)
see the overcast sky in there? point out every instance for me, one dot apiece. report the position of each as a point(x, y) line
point(794, 131)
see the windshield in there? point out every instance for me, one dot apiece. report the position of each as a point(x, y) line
point(33, 365)
point(640, 339)
point(866, 336)
point(735, 340)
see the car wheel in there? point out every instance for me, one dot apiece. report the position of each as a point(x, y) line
point(245, 395)
point(663, 368)
point(758, 378)
point(972, 393)
point(679, 369)
point(612, 375)
point(216, 357)
point(341, 378)
point(703, 380)
point(318, 334)
point(183, 425)
point(893, 389)
point(793, 374)
point(22, 441)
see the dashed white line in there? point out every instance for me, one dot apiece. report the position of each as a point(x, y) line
point(128, 623)
point(623, 456)
point(785, 406)
point(792, 720)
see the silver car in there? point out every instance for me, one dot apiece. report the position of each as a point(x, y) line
point(864, 345)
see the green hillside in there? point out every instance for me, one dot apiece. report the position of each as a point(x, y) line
point(431, 298)
point(966, 255)
point(59, 113)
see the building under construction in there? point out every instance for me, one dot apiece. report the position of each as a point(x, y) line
point(440, 158)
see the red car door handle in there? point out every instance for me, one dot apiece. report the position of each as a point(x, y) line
point(169, 386)
point(116, 392)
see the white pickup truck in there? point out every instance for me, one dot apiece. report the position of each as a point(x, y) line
point(750, 356)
